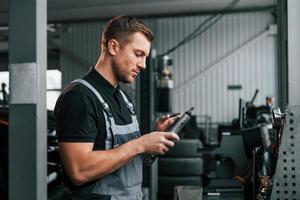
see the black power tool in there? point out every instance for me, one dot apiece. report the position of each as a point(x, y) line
point(175, 128)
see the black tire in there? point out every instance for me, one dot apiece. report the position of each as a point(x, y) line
point(3, 185)
point(180, 166)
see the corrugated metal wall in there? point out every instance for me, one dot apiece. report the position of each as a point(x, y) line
point(80, 48)
point(237, 50)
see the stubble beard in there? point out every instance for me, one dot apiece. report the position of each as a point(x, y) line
point(118, 73)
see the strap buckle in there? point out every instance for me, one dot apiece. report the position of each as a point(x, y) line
point(131, 108)
point(106, 108)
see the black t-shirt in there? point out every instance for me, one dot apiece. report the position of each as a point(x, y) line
point(79, 114)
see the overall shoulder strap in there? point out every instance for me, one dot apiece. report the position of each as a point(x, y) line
point(104, 104)
point(129, 104)
point(109, 120)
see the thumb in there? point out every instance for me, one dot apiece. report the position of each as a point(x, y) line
point(164, 117)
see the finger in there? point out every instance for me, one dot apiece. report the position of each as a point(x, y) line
point(172, 117)
point(168, 143)
point(164, 149)
point(175, 118)
point(175, 115)
point(163, 118)
point(171, 136)
point(172, 120)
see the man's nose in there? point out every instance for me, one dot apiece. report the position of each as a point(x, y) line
point(142, 63)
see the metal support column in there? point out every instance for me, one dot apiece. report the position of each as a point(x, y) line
point(146, 104)
point(282, 65)
point(293, 7)
point(27, 105)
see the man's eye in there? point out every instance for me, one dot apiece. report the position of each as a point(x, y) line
point(138, 53)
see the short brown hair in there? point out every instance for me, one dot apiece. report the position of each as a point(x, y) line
point(122, 26)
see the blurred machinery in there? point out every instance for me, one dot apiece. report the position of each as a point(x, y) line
point(273, 172)
point(251, 115)
point(164, 84)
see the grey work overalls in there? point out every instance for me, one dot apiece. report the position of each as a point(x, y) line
point(126, 182)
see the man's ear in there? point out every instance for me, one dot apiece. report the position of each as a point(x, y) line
point(113, 46)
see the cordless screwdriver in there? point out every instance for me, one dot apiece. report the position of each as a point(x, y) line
point(175, 128)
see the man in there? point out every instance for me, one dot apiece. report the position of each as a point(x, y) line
point(99, 141)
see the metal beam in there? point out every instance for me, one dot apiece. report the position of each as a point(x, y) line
point(282, 77)
point(146, 107)
point(27, 106)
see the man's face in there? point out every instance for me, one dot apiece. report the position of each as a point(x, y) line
point(130, 58)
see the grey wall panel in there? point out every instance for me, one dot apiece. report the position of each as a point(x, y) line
point(236, 50)
point(80, 49)
point(293, 49)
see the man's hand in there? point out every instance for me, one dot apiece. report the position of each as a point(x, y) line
point(157, 142)
point(164, 122)
point(83, 165)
